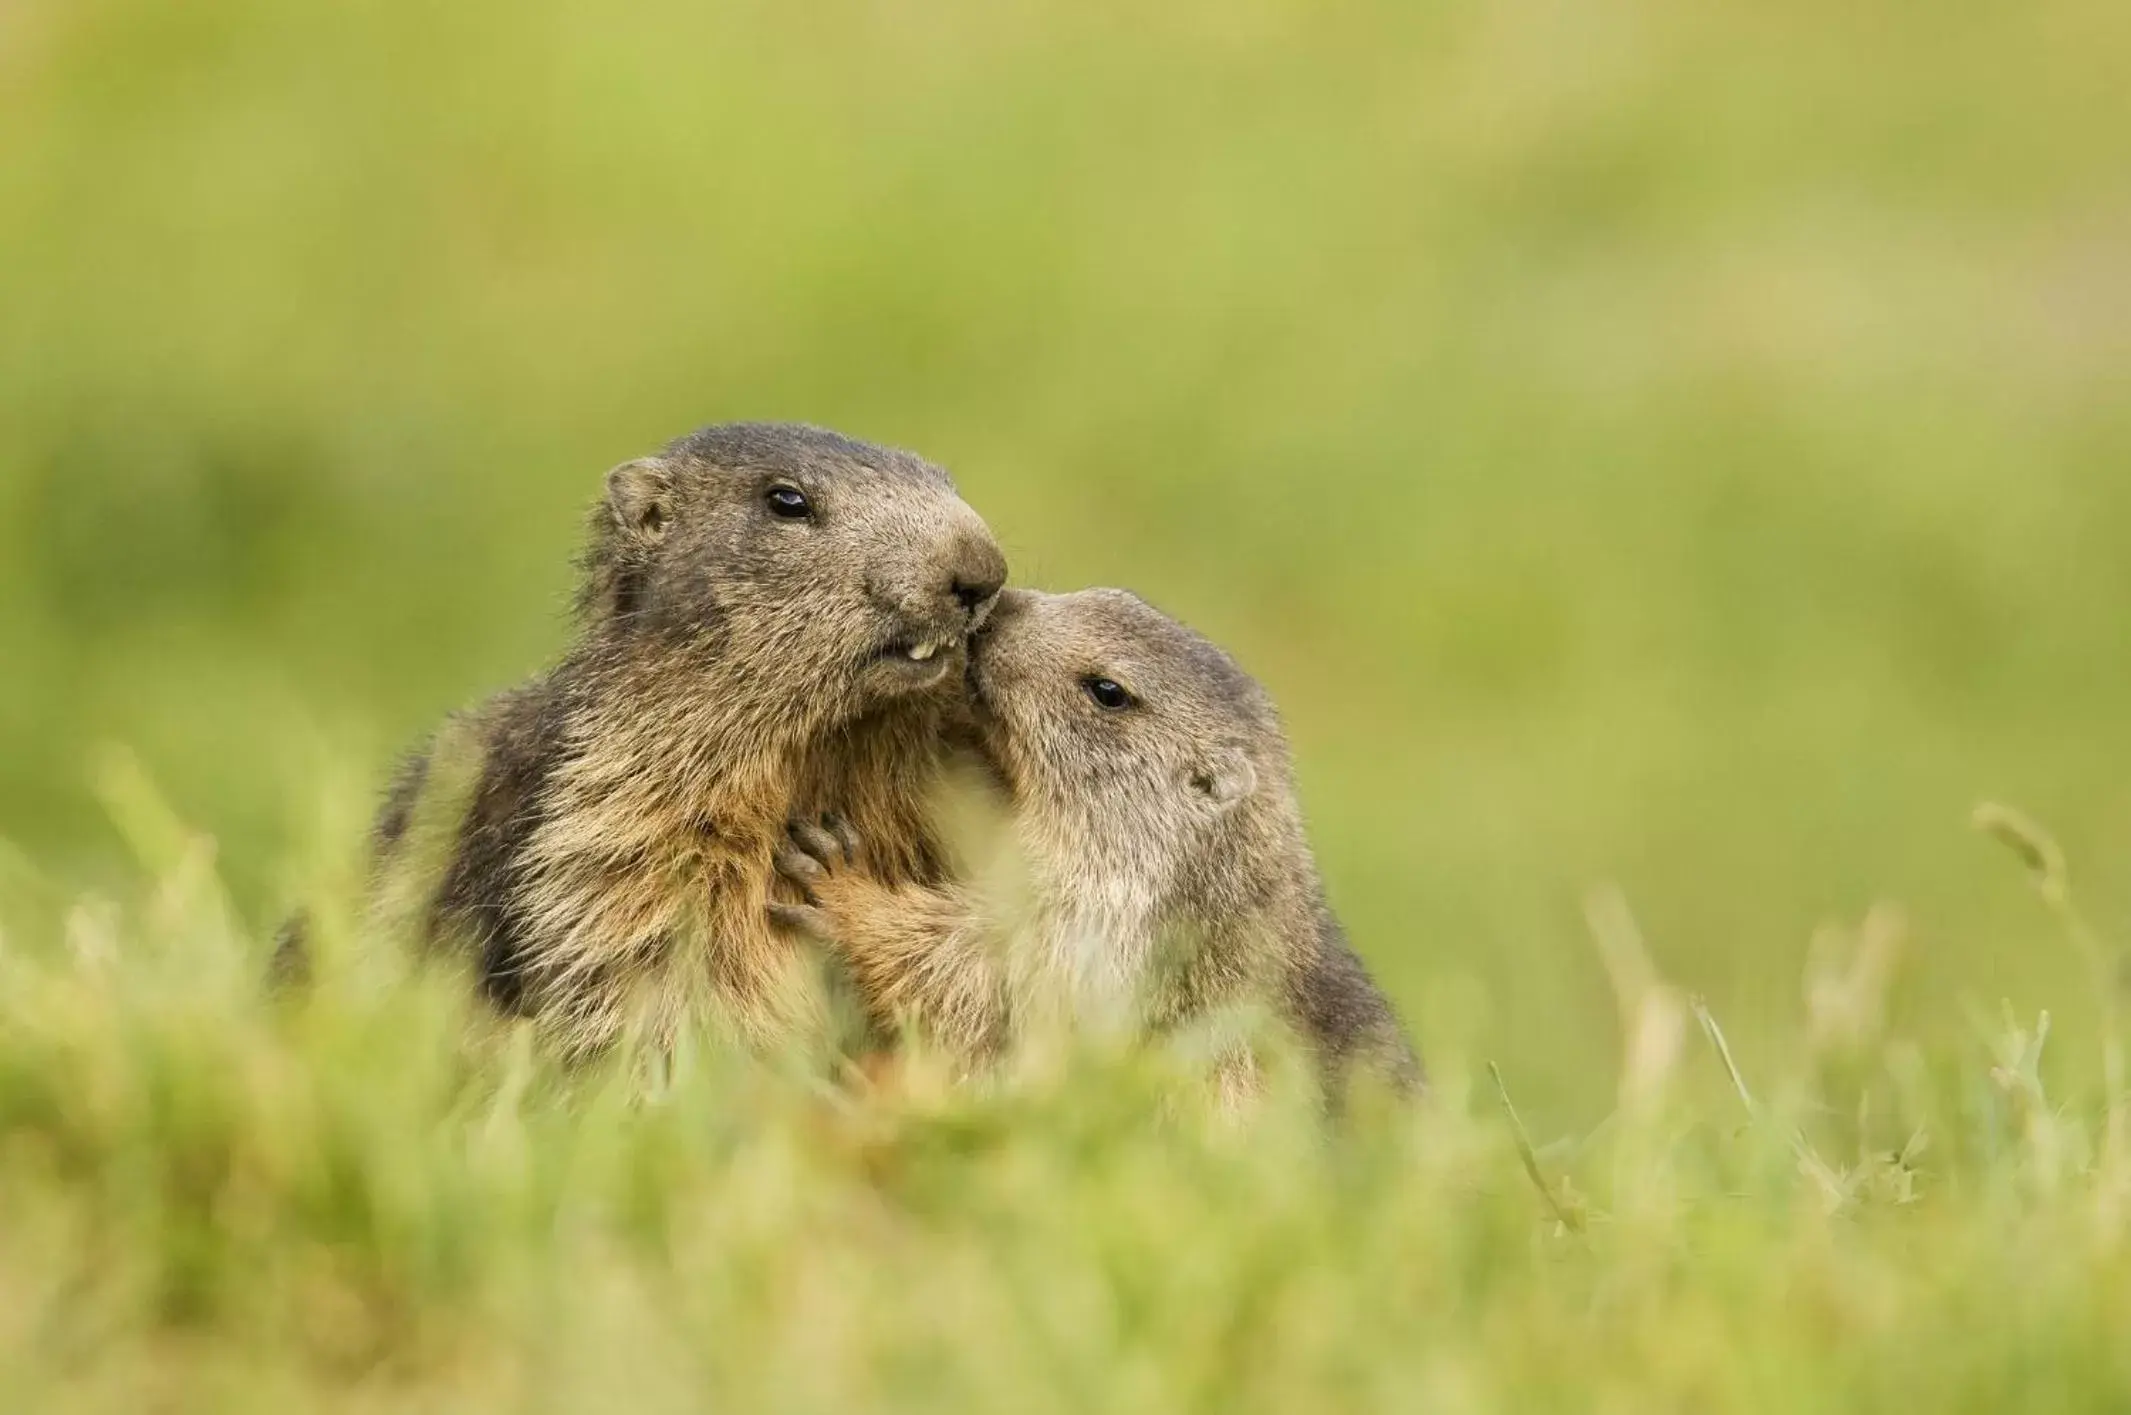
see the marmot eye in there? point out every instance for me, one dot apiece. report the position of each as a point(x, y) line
point(789, 503)
point(1108, 694)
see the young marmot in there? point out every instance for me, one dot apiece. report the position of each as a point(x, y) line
point(1155, 811)
point(773, 619)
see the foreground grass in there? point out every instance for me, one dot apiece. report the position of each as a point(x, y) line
point(368, 1199)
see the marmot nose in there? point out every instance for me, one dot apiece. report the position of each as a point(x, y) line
point(977, 579)
point(975, 594)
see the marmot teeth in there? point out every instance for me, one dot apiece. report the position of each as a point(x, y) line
point(921, 652)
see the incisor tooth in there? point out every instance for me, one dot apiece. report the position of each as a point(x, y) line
point(924, 651)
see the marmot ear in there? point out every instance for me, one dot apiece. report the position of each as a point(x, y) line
point(640, 498)
point(1226, 777)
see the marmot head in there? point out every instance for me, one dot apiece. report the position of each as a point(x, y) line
point(833, 570)
point(1128, 740)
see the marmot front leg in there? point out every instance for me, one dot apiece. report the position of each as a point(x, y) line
point(919, 955)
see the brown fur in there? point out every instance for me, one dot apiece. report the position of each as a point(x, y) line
point(1167, 859)
point(733, 666)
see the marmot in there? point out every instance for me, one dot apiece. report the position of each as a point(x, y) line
point(773, 618)
point(1154, 803)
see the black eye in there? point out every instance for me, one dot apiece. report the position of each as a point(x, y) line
point(1108, 694)
point(789, 503)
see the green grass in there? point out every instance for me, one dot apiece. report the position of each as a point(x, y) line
point(371, 1198)
point(1668, 446)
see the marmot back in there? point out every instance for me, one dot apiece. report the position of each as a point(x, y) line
point(772, 618)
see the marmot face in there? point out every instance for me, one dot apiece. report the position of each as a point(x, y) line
point(1138, 744)
point(850, 574)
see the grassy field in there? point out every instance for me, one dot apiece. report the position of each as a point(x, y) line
point(366, 1199)
point(1670, 461)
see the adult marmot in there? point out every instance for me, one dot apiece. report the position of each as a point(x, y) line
point(1168, 868)
point(773, 619)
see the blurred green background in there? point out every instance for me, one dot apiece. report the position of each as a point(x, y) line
point(1677, 444)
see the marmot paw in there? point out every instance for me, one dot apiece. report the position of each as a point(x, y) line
point(811, 852)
